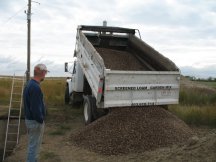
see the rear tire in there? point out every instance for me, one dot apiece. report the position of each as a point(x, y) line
point(89, 109)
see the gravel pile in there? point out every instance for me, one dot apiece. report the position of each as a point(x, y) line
point(120, 60)
point(130, 130)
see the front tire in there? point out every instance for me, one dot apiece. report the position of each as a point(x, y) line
point(67, 95)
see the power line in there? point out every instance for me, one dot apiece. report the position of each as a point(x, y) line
point(10, 18)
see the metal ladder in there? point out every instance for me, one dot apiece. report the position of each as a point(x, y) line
point(14, 115)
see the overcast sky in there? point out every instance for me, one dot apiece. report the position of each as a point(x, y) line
point(182, 30)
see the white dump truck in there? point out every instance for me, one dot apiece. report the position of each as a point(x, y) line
point(115, 68)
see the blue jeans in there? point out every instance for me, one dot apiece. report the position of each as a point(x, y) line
point(35, 134)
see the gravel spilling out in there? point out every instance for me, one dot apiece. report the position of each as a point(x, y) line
point(120, 60)
point(131, 130)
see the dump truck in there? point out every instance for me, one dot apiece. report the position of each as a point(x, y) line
point(112, 67)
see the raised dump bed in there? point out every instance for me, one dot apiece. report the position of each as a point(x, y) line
point(132, 72)
point(126, 52)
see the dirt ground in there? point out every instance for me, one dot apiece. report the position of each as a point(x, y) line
point(62, 122)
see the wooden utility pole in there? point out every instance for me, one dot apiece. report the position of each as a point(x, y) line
point(28, 41)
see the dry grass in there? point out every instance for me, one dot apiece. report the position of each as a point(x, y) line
point(199, 96)
point(54, 92)
point(196, 115)
point(197, 104)
point(5, 90)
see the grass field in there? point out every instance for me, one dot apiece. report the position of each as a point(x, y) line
point(5, 89)
point(197, 104)
point(210, 84)
point(54, 91)
point(198, 96)
point(196, 115)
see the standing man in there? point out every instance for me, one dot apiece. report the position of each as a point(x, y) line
point(34, 112)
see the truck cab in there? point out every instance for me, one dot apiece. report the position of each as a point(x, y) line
point(74, 84)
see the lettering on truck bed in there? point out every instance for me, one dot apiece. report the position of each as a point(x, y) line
point(142, 88)
point(143, 104)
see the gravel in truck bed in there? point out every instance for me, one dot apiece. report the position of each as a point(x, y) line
point(131, 130)
point(120, 60)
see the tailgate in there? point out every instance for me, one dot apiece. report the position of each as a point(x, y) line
point(141, 88)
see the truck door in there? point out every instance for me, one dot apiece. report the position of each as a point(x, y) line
point(77, 79)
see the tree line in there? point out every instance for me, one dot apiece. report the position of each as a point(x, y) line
point(209, 79)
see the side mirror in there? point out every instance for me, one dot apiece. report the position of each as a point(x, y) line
point(66, 66)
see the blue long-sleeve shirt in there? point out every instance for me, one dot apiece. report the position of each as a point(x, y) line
point(33, 102)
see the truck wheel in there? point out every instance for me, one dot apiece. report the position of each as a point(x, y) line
point(89, 109)
point(67, 96)
point(95, 113)
point(88, 117)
